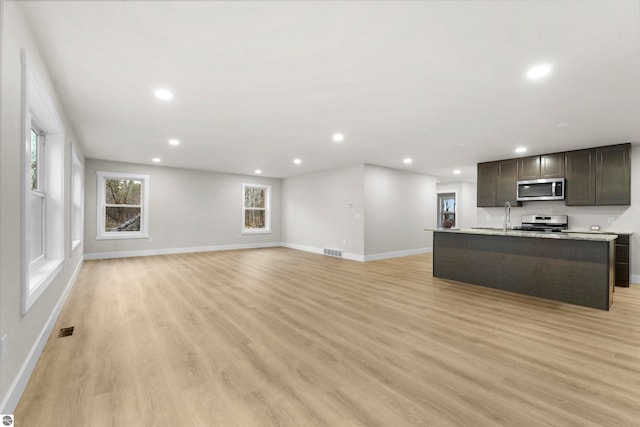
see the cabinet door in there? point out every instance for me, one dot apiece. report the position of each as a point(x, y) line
point(487, 184)
point(552, 165)
point(529, 168)
point(580, 171)
point(613, 175)
point(507, 182)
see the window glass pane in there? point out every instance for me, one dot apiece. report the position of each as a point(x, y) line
point(254, 197)
point(35, 227)
point(122, 219)
point(254, 219)
point(34, 160)
point(122, 191)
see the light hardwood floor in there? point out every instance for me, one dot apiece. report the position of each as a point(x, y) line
point(282, 337)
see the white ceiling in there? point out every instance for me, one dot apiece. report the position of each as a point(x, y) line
point(259, 83)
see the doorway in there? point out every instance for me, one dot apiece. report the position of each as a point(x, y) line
point(446, 210)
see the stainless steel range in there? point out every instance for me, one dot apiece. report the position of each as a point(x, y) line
point(543, 223)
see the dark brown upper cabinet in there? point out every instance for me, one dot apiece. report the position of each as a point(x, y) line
point(507, 183)
point(545, 166)
point(580, 174)
point(497, 182)
point(528, 168)
point(599, 176)
point(595, 176)
point(613, 175)
point(487, 184)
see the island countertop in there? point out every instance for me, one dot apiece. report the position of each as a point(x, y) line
point(530, 234)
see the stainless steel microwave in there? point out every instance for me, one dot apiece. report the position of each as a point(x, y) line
point(541, 189)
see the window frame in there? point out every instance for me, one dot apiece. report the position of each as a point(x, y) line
point(38, 112)
point(267, 209)
point(76, 229)
point(101, 234)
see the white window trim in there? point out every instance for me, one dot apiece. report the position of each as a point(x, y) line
point(101, 197)
point(267, 229)
point(76, 163)
point(38, 107)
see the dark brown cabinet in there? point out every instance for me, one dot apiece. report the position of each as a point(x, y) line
point(622, 260)
point(552, 165)
point(487, 184)
point(599, 176)
point(545, 166)
point(497, 183)
point(528, 168)
point(595, 176)
point(580, 174)
point(507, 183)
point(613, 175)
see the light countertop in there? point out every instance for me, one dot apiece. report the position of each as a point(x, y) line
point(607, 237)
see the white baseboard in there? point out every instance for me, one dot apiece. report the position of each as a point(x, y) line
point(169, 251)
point(635, 278)
point(358, 257)
point(313, 249)
point(10, 401)
point(397, 254)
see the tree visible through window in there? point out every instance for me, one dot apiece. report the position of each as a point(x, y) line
point(35, 160)
point(123, 208)
point(122, 205)
point(256, 208)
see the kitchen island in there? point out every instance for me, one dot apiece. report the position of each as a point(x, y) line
point(571, 267)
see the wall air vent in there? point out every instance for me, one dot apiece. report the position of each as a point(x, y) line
point(333, 252)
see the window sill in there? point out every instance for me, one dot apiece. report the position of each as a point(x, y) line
point(121, 236)
point(75, 244)
point(249, 232)
point(41, 274)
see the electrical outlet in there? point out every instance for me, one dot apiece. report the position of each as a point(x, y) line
point(611, 219)
point(4, 348)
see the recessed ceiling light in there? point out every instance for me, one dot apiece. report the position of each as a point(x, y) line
point(520, 149)
point(258, 171)
point(174, 142)
point(338, 137)
point(539, 71)
point(407, 161)
point(297, 161)
point(457, 172)
point(163, 94)
point(561, 125)
point(156, 160)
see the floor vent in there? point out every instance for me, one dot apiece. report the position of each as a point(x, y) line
point(333, 252)
point(65, 332)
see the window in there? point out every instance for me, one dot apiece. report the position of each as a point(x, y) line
point(123, 201)
point(41, 189)
point(37, 139)
point(256, 212)
point(77, 191)
point(37, 197)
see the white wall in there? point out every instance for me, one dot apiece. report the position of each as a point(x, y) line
point(26, 333)
point(188, 210)
point(399, 205)
point(626, 218)
point(316, 212)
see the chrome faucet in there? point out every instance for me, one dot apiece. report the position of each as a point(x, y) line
point(507, 216)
